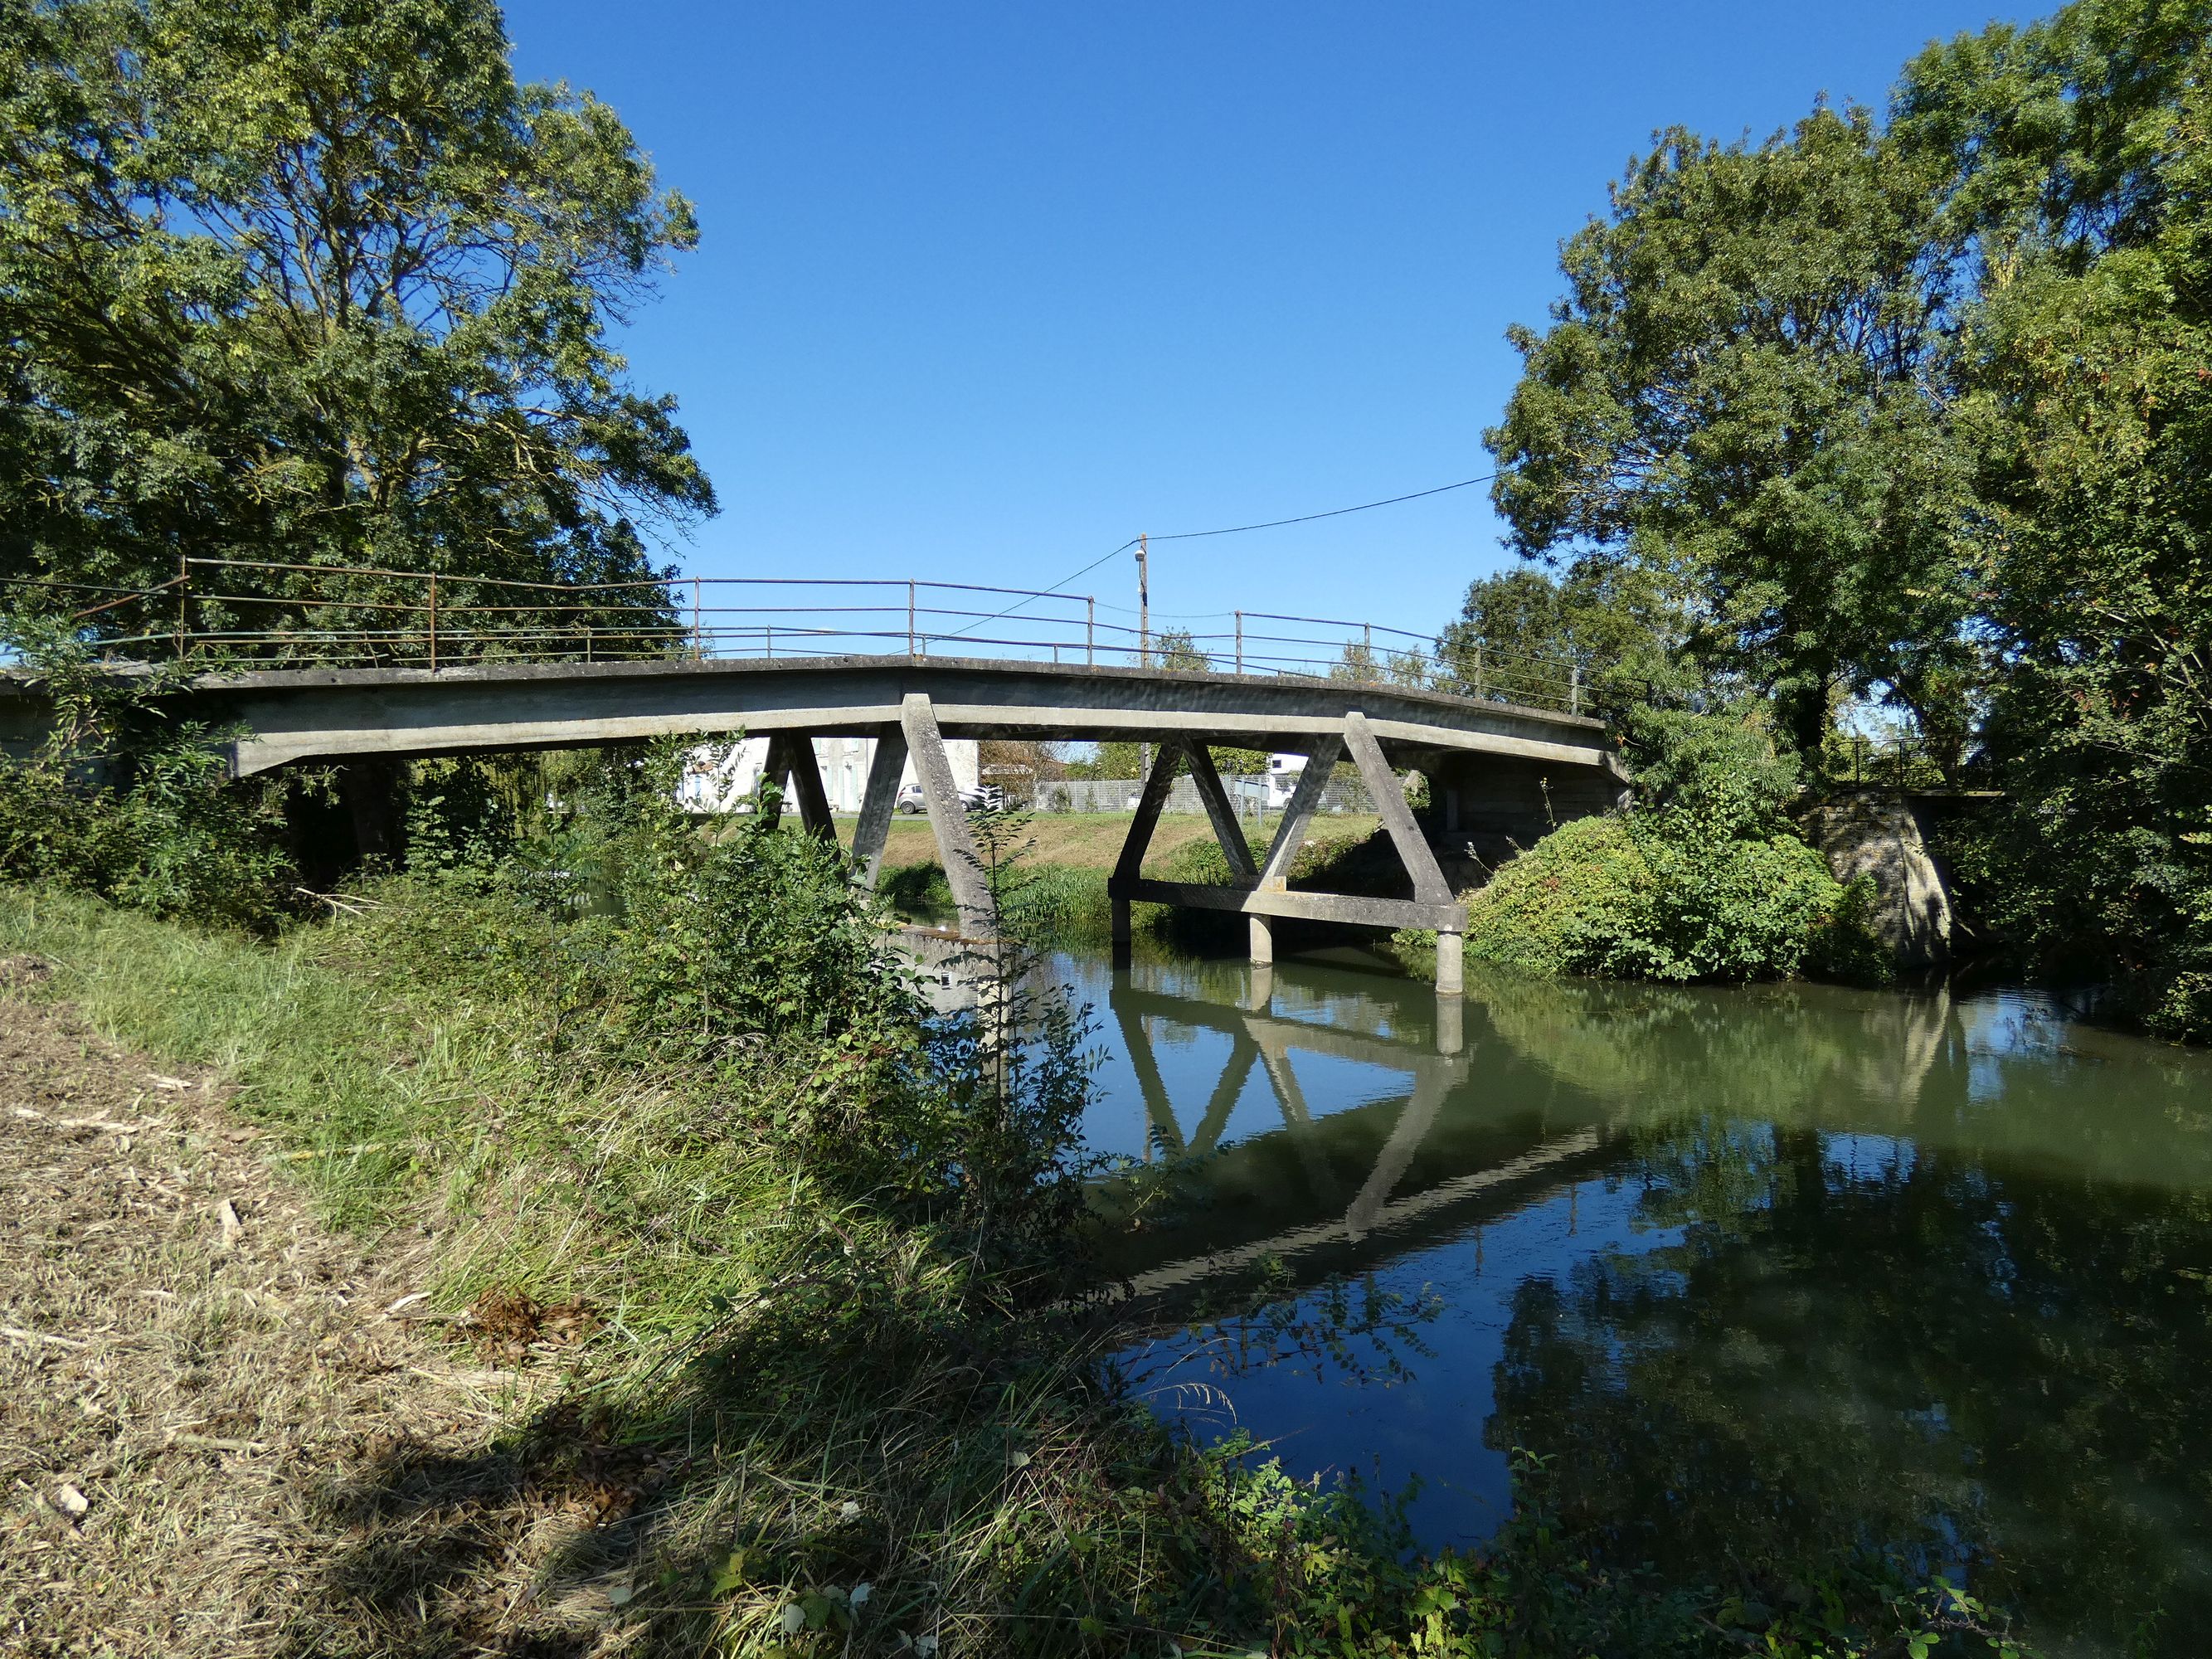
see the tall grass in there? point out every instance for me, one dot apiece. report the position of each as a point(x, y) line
point(886, 1411)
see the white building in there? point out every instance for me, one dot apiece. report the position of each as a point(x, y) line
point(722, 777)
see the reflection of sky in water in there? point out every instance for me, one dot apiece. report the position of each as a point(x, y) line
point(1431, 1427)
point(1983, 1151)
point(1878, 1158)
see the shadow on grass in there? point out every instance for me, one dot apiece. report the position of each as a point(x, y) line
point(854, 1495)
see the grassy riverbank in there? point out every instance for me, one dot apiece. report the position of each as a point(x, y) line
point(796, 1273)
point(1058, 892)
point(1092, 841)
point(793, 1380)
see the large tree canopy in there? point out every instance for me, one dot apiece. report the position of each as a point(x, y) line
point(1922, 409)
point(315, 282)
point(1741, 382)
point(2078, 163)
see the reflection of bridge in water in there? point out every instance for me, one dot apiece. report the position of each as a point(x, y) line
point(1330, 1120)
point(1334, 1192)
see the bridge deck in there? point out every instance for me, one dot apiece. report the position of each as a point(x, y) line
point(326, 714)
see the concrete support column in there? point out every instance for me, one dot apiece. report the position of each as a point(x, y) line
point(1451, 970)
point(1263, 942)
point(948, 817)
point(806, 783)
point(1131, 864)
point(873, 830)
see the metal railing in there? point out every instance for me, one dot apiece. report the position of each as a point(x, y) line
point(266, 614)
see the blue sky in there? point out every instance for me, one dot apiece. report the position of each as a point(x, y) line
point(983, 290)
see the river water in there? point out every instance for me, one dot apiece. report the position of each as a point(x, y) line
point(1762, 1273)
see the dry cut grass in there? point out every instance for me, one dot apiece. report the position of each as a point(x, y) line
point(226, 1429)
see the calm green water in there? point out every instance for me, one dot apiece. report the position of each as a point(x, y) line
point(1763, 1273)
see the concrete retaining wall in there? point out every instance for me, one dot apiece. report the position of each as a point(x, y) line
point(1869, 833)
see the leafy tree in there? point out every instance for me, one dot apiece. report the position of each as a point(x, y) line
point(1922, 412)
point(2077, 160)
point(1737, 387)
point(1617, 622)
point(317, 282)
point(1177, 648)
point(123, 799)
point(1107, 760)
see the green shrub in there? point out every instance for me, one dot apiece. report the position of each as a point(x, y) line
point(916, 890)
point(1720, 768)
point(1645, 896)
point(1703, 880)
point(123, 801)
point(1058, 902)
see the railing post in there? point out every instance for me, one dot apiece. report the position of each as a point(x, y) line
point(184, 581)
point(909, 619)
point(698, 639)
point(587, 642)
point(434, 622)
point(1090, 631)
point(1367, 647)
point(1481, 685)
point(1240, 642)
point(771, 641)
point(1575, 690)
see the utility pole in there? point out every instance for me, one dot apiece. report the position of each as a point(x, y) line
point(1144, 644)
point(1144, 607)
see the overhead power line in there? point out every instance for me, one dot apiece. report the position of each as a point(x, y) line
point(1054, 588)
point(1231, 530)
point(1308, 518)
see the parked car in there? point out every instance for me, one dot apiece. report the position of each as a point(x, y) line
point(986, 797)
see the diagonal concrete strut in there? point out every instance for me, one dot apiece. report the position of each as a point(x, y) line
point(948, 818)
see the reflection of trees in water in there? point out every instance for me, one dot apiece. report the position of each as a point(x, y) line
point(1343, 1329)
point(1918, 1285)
point(1761, 1051)
point(1926, 1354)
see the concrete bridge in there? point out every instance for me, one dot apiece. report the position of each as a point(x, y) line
point(1494, 768)
point(483, 666)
